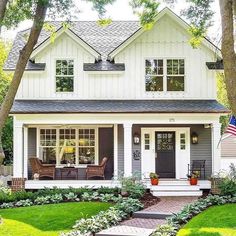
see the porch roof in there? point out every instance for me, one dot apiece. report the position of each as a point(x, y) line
point(116, 106)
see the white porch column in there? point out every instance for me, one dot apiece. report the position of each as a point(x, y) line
point(127, 149)
point(25, 147)
point(216, 149)
point(115, 149)
point(18, 150)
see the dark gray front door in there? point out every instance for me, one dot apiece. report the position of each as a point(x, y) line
point(165, 154)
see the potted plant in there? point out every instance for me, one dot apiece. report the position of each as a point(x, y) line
point(193, 178)
point(154, 178)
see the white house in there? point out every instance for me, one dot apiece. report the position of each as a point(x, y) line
point(141, 98)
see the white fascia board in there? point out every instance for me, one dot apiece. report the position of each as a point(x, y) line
point(177, 19)
point(72, 35)
point(170, 118)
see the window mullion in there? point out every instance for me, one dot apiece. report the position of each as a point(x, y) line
point(165, 75)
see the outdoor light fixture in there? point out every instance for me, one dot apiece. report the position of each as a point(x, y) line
point(136, 138)
point(194, 138)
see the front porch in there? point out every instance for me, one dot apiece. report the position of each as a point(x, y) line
point(113, 136)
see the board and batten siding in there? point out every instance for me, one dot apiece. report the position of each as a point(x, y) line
point(167, 39)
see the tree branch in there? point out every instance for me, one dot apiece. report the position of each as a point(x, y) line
point(3, 6)
point(24, 56)
point(228, 53)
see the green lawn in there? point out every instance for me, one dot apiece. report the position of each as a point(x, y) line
point(215, 221)
point(46, 220)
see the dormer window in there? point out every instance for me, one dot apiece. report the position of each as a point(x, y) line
point(64, 75)
point(164, 75)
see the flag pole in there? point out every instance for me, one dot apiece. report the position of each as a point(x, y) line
point(223, 133)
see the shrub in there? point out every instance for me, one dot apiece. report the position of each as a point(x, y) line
point(42, 200)
point(228, 184)
point(133, 186)
point(105, 219)
point(70, 196)
point(24, 203)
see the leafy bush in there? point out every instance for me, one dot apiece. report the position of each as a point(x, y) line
point(71, 196)
point(42, 200)
point(165, 230)
point(133, 186)
point(228, 183)
point(105, 219)
point(24, 203)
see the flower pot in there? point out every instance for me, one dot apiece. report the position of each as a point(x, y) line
point(193, 181)
point(154, 181)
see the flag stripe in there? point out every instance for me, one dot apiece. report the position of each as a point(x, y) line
point(232, 126)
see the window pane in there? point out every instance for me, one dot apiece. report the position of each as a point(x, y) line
point(154, 83)
point(64, 84)
point(87, 155)
point(67, 155)
point(151, 67)
point(175, 83)
point(48, 154)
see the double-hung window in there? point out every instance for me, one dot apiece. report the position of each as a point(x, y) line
point(164, 75)
point(64, 75)
point(175, 75)
point(154, 75)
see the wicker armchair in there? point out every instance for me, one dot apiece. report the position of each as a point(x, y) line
point(44, 170)
point(198, 166)
point(97, 170)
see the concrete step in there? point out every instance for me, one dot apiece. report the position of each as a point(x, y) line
point(175, 187)
point(151, 215)
point(124, 230)
point(175, 193)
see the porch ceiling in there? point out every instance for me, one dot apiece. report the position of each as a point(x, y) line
point(117, 106)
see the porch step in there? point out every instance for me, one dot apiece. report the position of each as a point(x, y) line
point(151, 215)
point(124, 230)
point(177, 193)
point(176, 187)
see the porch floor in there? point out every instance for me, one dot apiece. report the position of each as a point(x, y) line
point(40, 184)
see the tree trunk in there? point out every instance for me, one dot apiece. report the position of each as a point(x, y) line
point(3, 5)
point(24, 56)
point(227, 48)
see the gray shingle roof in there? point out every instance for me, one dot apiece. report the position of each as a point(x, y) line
point(218, 65)
point(104, 66)
point(117, 106)
point(102, 39)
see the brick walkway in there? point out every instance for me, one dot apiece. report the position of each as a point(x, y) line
point(137, 226)
point(143, 223)
point(171, 204)
point(166, 205)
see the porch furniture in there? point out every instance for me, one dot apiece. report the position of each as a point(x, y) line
point(198, 166)
point(97, 170)
point(44, 170)
point(68, 171)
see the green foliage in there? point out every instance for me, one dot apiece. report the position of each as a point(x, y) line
point(217, 220)
point(228, 184)
point(199, 13)
point(176, 221)
point(147, 11)
point(106, 219)
point(132, 186)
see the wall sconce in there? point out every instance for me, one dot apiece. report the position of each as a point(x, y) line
point(194, 138)
point(136, 138)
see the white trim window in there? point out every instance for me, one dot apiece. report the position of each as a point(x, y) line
point(64, 75)
point(77, 146)
point(164, 75)
point(154, 74)
point(175, 74)
point(48, 146)
point(86, 146)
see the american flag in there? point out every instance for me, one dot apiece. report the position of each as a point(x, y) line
point(231, 129)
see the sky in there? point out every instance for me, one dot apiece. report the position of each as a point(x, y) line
point(121, 10)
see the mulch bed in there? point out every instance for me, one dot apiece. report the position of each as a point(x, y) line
point(149, 200)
